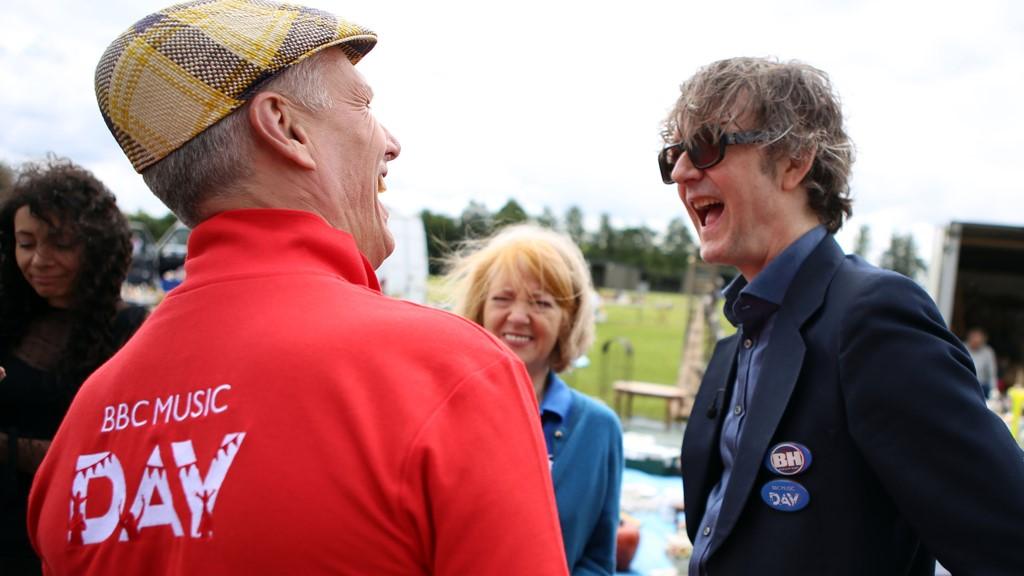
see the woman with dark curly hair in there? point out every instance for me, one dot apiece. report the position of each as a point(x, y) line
point(65, 248)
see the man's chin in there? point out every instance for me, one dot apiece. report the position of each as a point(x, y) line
point(709, 255)
point(383, 251)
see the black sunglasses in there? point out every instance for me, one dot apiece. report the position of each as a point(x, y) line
point(705, 152)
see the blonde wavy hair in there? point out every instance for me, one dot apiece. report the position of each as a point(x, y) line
point(528, 251)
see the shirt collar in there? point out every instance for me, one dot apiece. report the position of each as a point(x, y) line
point(754, 301)
point(253, 242)
point(557, 398)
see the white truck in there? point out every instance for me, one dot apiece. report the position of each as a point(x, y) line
point(977, 279)
point(404, 273)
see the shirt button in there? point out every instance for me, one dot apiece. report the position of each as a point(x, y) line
point(748, 343)
point(737, 410)
point(558, 433)
point(707, 530)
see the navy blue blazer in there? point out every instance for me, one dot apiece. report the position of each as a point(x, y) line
point(907, 464)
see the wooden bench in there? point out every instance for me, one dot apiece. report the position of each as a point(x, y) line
point(675, 398)
point(679, 398)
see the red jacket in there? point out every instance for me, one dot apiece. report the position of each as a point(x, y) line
point(277, 415)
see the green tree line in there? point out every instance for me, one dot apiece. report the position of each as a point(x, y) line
point(901, 255)
point(659, 255)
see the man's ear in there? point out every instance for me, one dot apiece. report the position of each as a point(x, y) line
point(279, 125)
point(794, 169)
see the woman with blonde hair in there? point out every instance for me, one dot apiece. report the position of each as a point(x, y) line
point(530, 287)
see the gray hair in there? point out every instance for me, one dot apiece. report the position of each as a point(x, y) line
point(218, 158)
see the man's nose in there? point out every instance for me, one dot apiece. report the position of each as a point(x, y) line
point(684, 169)
point(394, 148)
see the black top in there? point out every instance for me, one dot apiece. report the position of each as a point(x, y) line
point(33, 402)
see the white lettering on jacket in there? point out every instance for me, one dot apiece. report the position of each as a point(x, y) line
point(179, 407)
point(153, 504)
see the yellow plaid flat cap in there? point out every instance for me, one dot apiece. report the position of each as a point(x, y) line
point(179, 71)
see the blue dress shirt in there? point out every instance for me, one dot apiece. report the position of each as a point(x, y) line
point(751, 308)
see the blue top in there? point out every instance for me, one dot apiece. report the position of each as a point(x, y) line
point(584, 441)
point(750, 307)
point(555, 409)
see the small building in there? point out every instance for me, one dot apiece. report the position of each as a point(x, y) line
point(615, 276)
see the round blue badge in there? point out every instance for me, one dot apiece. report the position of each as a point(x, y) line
point(788, 459)
point(785, 495)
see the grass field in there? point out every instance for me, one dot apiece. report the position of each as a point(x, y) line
point(653, 324)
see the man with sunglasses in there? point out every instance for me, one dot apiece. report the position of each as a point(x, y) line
point(841, 429)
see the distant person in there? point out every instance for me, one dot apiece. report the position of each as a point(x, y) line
point(600, 315)
point(984, 359)
point(531, 288)
point(64, 252)
point(840, 430)
point(277, 414)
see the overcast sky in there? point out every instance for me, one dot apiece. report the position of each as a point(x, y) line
point(559, 102)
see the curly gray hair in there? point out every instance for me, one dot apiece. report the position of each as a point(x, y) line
point(791, 100)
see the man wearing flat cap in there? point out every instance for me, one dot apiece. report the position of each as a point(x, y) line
point(840, 430)
point(276, 414)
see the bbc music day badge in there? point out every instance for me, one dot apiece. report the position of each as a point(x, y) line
point(785, 495)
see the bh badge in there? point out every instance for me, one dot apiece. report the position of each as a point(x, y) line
point(785, 495)
point(788, 459)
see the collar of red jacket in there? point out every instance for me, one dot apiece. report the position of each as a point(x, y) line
point(255, 242)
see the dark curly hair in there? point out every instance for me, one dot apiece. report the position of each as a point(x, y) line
point(67, 196)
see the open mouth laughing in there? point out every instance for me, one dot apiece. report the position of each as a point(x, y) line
point(708, 210)
point(516, 338)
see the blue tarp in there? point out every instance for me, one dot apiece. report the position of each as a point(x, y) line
point(650, 499)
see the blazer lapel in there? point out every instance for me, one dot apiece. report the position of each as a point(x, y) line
point(699, 461)
point(778, 376)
